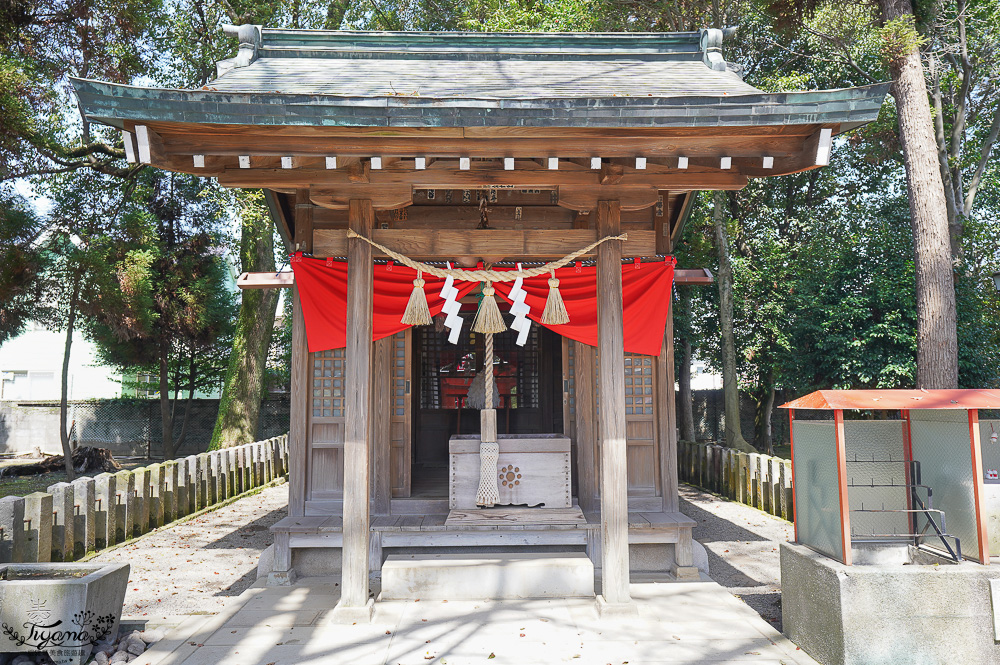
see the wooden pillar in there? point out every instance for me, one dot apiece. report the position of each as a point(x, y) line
point(357, 420)
point(845, 508)
point(978, 489)
point(298, 448)
point(611, 359)
point(381, 426)
point(666, 410)
point(586, 434)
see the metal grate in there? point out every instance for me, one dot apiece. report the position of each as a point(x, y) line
point(877, 476)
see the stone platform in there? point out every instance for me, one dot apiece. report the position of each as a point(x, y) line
point(679, 622)
point(499, 576)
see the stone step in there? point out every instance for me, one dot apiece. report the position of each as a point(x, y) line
point(494, 576)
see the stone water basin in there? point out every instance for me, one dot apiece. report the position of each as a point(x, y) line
point(60, 608)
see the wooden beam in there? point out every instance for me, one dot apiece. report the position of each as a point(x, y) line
point(303, 240)
point(492, 175)
point(578, 144)
point(586, 427)
point(298, 426)
point(265, 280)
point(284, 280)
point(150, 146)
point(458, 216)
point(612, 174)
point(814, 153)
point(586, 198)
point(693, 276)
point(357, 402)
point(448, 243)
point(131, 152)
point(381, 428)
point(381, 197)
point(661, 223)
point(611, 359)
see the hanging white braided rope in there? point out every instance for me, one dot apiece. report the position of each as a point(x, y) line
point(489, 450)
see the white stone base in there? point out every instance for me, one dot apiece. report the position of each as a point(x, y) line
point(487, 576)
point(606, 609)
point(352, 615)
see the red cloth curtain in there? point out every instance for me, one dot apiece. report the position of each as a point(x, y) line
point(646, 289)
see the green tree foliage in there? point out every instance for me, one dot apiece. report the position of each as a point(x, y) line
point(42, 44)
point(166, 304)
point(22, 264)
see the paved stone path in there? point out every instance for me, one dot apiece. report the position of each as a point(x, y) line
point(742, 544)
point(679, 623)
point(199, 566)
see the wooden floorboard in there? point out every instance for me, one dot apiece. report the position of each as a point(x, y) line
point(541, 517)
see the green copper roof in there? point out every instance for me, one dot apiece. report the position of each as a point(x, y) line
point(436, 79)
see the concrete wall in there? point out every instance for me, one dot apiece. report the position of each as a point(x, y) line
point(887, 614)
point(130, 427)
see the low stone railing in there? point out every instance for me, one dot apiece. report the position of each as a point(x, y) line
point(757, 480)
point(74, 519)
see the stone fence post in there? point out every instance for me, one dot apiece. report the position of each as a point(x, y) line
point(755, 479)
point(38, 527)
point(74, 519)
point(12, 536)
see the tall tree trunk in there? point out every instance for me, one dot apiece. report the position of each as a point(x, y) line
point(64, 433)
point(166, 410)
point(243, 390)
point(937, 336)
point(763, 407)
point(734, 437)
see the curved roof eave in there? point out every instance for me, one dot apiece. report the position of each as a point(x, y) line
point(115, 104)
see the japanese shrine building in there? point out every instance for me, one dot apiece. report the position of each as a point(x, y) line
point(566, 140)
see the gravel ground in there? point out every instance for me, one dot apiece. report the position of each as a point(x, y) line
point(198, 566)
point(742, 544)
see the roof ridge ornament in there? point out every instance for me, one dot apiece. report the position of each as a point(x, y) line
point(249, 36)
point(711, 46)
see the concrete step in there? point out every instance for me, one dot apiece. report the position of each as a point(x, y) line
point(493, 576)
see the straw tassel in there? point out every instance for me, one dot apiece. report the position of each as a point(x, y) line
point(417, 313)
point(555, 309)
point(488, 318)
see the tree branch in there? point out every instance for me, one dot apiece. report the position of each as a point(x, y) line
point(977, 177)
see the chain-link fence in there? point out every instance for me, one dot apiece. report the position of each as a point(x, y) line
point(709, 407)
point(128, 427)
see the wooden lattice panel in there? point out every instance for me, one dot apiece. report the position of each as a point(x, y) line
point(640, 425)
point(400, 428)
point(638, 384)
point(327, 394)
point(326, 424)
